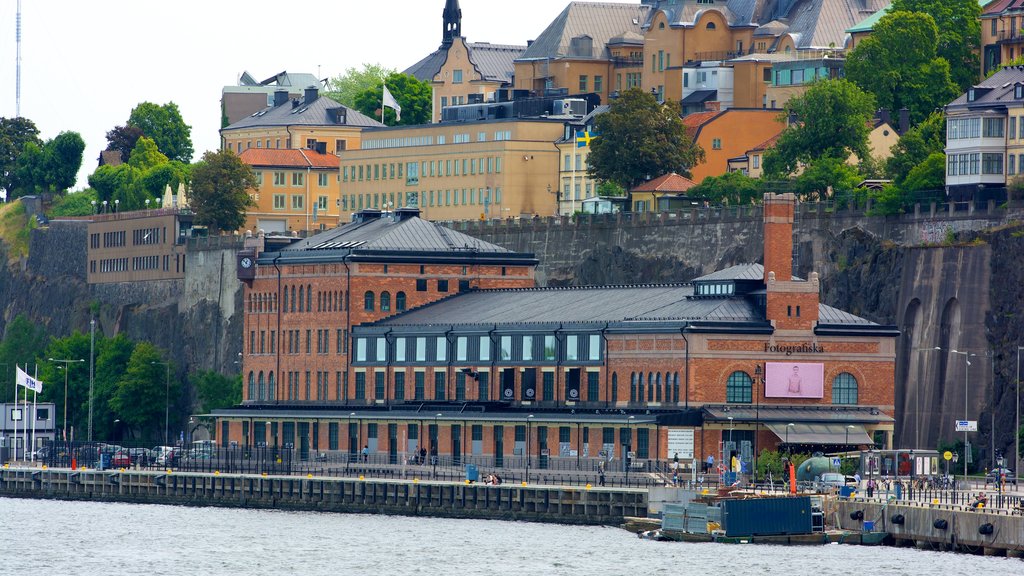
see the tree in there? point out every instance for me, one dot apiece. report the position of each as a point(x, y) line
point(74, 347)
point(929, 175)
point(607, 188)
point(828, 177)
point(345, 87)
point(899, 64)
point(23, 343)
point(138, 400)
point(220, 184)
point(123, 140)
point(412, 95)
point(959, 27)
point(732, 188)
point(832, 122)
point(916, 145)
point(74, 204)
point(51, 167)
point(165, 126)
point(15, 133)
point(216, 390)
point(640, 139)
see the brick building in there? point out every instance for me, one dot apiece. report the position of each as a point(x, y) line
point(736, 361)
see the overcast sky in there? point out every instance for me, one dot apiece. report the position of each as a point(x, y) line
point(85, 65)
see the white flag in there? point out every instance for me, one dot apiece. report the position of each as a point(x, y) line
point(29, 382)
point(390, 102)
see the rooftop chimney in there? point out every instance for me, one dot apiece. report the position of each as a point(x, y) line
point(713, 106)
point(280, 97)
point(311, 94)
point(366, 215)
point(904, 120)
point(406, 213)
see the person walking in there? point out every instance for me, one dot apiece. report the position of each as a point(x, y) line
point(600, 473)
point(710, 464)
point(366, 453)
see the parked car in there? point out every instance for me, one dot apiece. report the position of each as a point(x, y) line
point(140, 456)
point(832, 480)
point(165, 456)
point(121, 460)
point(994, 475)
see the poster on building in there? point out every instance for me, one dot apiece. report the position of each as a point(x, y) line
point(680, 441)
point(794, 380)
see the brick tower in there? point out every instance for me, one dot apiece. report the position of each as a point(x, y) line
point(791, 304)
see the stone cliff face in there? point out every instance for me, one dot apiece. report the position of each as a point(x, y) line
point(891, 270)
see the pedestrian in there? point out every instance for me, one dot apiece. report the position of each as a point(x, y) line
point(675, 478)
point(366, 453)
point(600, 473)
point(871, 487)
point(710, 464)
point(423, 456)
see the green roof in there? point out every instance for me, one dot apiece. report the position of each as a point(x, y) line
point(868, 24)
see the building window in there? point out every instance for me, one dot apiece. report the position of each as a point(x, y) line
point(279, 179)
point(583, 82)
point(710, 26)
point(716, 144)
point(400, 302)
point(321, 180)
point(992, 163)
point(368, 301)
point(739, 388)
point(298, 202)
point(298, 179)
point(456, 76)
point(993, 128)
point(385, 301)
point(598, 83)
point(844, 389)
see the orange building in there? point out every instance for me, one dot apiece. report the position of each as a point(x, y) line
point(298, 190)
point(727, 134)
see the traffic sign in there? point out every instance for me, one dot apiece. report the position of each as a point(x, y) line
point(966, 425)
point(836, 462)
point(947, 455)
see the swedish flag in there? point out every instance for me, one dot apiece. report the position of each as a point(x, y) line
point(583, 139)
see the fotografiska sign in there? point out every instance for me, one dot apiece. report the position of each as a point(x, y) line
point(790, 349)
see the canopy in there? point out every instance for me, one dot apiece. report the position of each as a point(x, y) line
point(850, 434)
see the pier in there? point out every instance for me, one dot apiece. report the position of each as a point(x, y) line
point(534, 503)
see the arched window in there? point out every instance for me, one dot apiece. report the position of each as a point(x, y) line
point(640, 387)
point(291, 304)
point(385, 301)
point(271, 388)
point(844, 389)
point(615, 387)
point(368, 301)
point(262, 387)
point(302, 295)
point(400, 302)
point(285, 299)
point(632, 387)
point(675, 387)
point(252, 386)
point(711, 26)
point(650, 387)
point(739, 388)
point(661, 25)
point(657, 387)
point(309, 298)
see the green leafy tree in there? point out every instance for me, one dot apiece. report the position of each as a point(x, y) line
point(412, 95)
point(24, 343)
point(220, 184)
point(732, 188)
point(75, 373)
point(155, 180)
point(114, 183)
point(216, 390)
point(15, 133)
point(165, 126)
point(607, 188)
point(828, 178)
point(832, 122)
point(959, 26)
point(112, 356)
point(346, 86)
point(146, 155)
point(51, 167)
point(141, 394)
point(899, 64)
point(74, 204)
point(929, 175)
point(916, 145)
point(640, 139)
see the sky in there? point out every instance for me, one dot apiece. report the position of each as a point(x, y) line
point(85, 65)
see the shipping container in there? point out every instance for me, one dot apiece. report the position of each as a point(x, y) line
point(766, 516)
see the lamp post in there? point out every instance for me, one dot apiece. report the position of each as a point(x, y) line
point(266, 442)
point(349, 460)
point(1016, 429)
point(730, 447)
point(629, 447)
point(967, 360)
point(433, 446)
point(529, 419)
point(789, 451)
point(167, 397)
point(66, 369)
point(92, 366)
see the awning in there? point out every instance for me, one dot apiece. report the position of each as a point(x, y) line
point(821, 434)
point(699, 97)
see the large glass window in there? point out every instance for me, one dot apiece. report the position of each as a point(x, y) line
point(382, 349)
point(594, 353)
point(361, 349)
point(505, 353)
point(461, 348)
point(421, 349)
point(399, 349)
point(844, 389)
point(739, 388)
point(368, 301)
point(485, 348)
point(527, 347)
point(440, 349)
point(572, 347)
point(550, 347)
point(400, 302)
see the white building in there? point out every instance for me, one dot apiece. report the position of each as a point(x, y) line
point(707, 81)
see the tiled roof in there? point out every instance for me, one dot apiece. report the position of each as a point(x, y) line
point(598, 20)
point(996, 90)
point(492, 61)
point(670, 182)
point(318, 113)
point(600, 305)
point(766, 144)
point(391, 234)
point(698, 119)
point(289, 158)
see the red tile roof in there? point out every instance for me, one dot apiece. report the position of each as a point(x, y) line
point(766, 144)
point(288, 158)
point(670, 182)
point(698, 119)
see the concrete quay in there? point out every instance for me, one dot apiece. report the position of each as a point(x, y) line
point(552, 504)
point(951, 527)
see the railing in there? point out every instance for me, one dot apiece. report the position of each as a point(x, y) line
point(1011, 36)
point(620, 62)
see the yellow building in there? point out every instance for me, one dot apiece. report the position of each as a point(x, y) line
point(574, 150)
point(314, 122)
point(297, 190)
point(457, 170)
point(590, 47)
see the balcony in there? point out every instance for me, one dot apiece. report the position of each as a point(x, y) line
point(1011, 37)
point(622, 62)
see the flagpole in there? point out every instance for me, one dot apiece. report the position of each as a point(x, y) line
point(384, 87)
point(34, 386)
point(24, 424)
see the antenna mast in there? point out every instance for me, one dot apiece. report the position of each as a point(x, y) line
point(17, 97)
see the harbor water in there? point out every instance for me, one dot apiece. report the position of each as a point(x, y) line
point(92, 538)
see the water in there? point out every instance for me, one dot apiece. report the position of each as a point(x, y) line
point(90, 538)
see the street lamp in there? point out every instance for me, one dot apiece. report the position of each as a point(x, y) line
point(167, 397)
point(967, 360)
point(627, 459)
point(846, 445)
point(529, 418)
point(731, 449)
point(66, 369)
point(433, 446)
point(789, 451)
point(1016, 430)
point(349, 460)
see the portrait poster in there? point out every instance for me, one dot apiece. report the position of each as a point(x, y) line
point(794, 380)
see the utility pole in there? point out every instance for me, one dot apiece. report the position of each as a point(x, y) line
point(92, 356)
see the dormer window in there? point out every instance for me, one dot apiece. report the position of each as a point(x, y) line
point(970, 95)
point(1018, 92)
